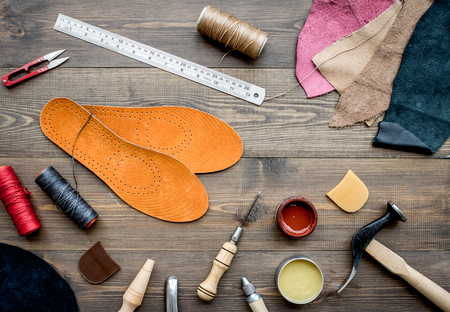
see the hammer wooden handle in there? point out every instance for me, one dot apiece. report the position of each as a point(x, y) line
point(208, 289)
point(395, 264)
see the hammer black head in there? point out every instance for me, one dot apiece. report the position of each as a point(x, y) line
point(364, 236)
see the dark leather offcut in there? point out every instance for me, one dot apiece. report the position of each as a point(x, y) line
point(96, 265)
point(418, 118)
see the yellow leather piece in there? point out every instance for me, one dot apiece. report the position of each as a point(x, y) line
point(151, 182)
point(201, 141)
point(350, 194)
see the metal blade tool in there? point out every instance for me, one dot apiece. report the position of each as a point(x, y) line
point(50, 57)
point(163, 60)
point(207, 290)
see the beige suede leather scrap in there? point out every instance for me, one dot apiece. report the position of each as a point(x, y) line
point(370, 94)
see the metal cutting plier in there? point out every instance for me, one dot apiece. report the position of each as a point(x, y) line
point(48, 57)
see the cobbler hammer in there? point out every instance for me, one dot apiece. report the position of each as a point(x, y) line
point(363, 241)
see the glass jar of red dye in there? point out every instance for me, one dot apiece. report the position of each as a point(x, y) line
point(296, 217)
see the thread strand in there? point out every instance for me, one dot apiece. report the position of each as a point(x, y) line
point(75, 141)
point(286, 92)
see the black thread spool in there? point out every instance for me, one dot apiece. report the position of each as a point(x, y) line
point(66, 197)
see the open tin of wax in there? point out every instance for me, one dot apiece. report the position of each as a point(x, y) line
point(296, 217)
point(299, 279)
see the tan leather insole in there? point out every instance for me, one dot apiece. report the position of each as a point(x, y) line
point(201, 141)
point(152, 182)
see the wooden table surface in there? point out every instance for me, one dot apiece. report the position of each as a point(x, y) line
point(288, 151)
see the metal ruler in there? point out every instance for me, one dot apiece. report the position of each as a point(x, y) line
point(168, 62)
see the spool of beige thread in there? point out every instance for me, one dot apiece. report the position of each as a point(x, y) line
point(231, 31)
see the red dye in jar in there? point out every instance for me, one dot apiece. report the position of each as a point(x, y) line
point(297, 218)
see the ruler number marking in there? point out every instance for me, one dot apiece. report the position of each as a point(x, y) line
point(159, 59)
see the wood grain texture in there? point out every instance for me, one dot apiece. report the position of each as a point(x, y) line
point(372, 289)
point(421, 193)
point(288, 151)
point(289, 126)
point(167, 26)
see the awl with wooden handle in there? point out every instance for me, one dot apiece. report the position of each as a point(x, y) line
point(207, 290)
point(396, 265)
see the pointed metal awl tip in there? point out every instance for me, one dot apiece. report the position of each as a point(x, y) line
point(253, 205)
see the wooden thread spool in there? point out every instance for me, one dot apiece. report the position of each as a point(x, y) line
point(134, 295)
point(232, 32)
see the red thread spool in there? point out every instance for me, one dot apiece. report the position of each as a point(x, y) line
point(296, 217)
point(17, 202)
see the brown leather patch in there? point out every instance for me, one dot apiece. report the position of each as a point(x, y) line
point(96, 265)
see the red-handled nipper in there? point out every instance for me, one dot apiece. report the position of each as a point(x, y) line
point(48, 57)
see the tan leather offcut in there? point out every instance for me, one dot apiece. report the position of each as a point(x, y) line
point(201, 141)
point(151, 182)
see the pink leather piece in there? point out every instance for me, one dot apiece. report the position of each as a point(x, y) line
point(329, 21)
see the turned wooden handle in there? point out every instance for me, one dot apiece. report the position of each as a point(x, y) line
point(207, 290)
point(258, 306)
point(134, 295)
point(395, 264)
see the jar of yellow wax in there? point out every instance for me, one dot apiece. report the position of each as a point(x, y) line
point(299, 280)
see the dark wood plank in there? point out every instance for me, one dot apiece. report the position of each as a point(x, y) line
point(418, 187)
point(288, 150)
point(167, 26)
point(289, 126)
point(372, 289)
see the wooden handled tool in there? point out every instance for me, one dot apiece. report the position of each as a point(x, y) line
point(254, 300)
point(396, 265)
point(134, 295)
point(364, 235)
point(207, 290)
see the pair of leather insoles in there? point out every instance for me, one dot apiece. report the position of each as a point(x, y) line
point(132, 150)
